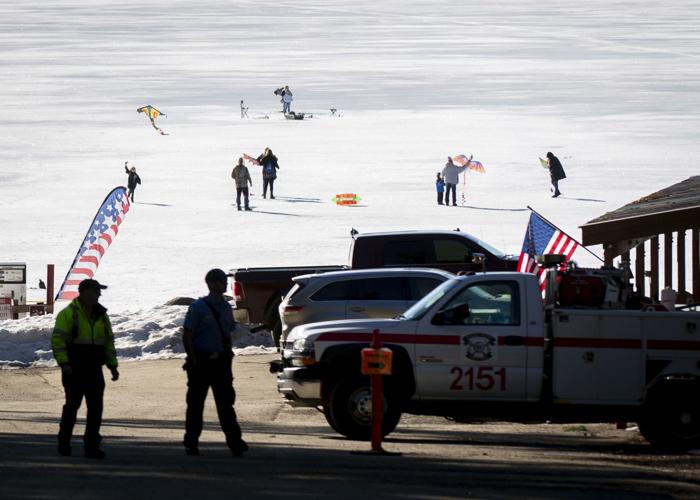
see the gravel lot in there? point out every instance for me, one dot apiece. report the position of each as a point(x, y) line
point(294, 454)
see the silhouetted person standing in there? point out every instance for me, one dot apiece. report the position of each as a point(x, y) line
point(241, 175)
point(556, 173)
point(133, 180)
point(82, 342)
point(207, 339)
point(451, 176)
point(269, 171)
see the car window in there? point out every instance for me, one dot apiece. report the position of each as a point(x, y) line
point(449, 250)
point(419, 287)
point(379, 289)
point(338, 290)
point(490, 303)
point(407, 252)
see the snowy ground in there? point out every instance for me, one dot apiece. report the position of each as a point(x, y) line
point(608, 86)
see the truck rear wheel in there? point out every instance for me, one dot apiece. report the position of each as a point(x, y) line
point(351, 409)
point(671, 416)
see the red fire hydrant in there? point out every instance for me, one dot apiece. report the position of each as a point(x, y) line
point(376, 362)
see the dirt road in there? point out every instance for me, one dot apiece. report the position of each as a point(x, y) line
point(294, 454)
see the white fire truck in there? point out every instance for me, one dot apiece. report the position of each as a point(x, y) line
point(486, 346)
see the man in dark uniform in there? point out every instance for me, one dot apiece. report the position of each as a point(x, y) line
point(82, 342)
point(207, 339)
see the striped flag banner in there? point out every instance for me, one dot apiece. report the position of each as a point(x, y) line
point(103, 230)
point(542, 238)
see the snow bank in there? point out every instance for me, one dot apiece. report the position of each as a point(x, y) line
point(142, 334)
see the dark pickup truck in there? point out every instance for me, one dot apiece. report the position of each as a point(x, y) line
point(258, 291)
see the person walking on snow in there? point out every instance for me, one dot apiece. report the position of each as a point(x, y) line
point(556, 173)
point(451, 175)
point(241, 175)
point(133, 180)
point(287, 98)
point(207, 340)
point(82, 341)
point(440, 187)
point(269, 171)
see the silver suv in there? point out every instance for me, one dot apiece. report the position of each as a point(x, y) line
point(367, 293)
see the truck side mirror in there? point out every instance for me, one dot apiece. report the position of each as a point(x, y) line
point(479, 258)
point(439, 318)
point(460, 313)
point(453, 316)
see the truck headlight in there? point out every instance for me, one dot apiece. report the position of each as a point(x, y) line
point(302, 353)
point(299, 345)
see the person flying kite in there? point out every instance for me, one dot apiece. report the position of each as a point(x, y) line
point(152, 114)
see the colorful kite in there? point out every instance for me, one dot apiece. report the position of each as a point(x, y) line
point(475, 166)
point(250, 159)
point(152, 114)
point(346, 199)
point(103, 230)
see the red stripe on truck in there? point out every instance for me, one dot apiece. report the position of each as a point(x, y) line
point(598, 343)
point(674, 345)
point(399, 338)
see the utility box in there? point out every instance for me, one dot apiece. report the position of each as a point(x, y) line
point(13, 282)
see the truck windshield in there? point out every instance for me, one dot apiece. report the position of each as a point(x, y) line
point(418, 309)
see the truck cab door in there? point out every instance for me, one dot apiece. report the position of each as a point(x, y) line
point(474, 346)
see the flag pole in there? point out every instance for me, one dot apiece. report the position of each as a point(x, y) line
point(554, 225)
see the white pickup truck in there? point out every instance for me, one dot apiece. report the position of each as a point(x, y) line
point(484, 347)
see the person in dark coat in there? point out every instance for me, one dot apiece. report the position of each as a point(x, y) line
point(207, 340)
point(269, 164)
point(556, 173)
point(133, 180)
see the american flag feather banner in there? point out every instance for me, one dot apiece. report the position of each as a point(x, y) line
point(103, 230)
point(541, 238)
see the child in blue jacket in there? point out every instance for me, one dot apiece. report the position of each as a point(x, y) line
point(440, 186)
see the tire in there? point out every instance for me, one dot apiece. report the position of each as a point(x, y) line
point(329, 418)
point(350, 409)
point(671, 416)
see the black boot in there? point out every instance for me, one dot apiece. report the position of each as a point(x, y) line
point(64, 448)
point(238, 448)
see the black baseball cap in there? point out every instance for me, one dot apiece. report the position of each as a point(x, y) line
point(90, 284)
point(216, 275)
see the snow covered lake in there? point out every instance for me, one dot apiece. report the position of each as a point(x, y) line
point(611, 87)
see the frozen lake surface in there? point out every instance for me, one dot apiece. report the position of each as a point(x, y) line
point(611, 87)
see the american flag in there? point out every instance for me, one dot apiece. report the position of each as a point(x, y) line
point(543, 238)
point(103, 230)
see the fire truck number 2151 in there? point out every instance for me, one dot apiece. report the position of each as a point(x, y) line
point(482, 378)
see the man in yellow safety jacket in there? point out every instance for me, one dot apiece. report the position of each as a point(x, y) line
point(82, 342)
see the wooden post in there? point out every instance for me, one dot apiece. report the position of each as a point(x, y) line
point(696, 266)
point(49, 287)
point(680, 260)
point(654, 285)
point(639, 269)
point(668, 260)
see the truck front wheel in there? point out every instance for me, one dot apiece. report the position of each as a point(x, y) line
point(671, 416)
point(350, 409)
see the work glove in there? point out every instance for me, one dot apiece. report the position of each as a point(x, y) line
point(66, 370)
point(115, 373)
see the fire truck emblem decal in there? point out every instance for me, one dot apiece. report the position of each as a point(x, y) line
point(479, 346)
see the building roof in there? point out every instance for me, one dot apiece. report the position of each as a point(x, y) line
point(674, 208)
